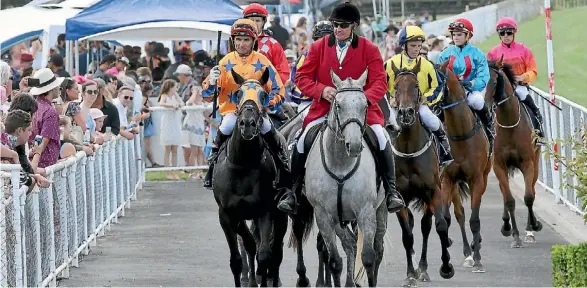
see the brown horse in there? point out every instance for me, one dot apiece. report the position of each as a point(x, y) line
point(417, 176)
point(471, 166)
point(515, 148)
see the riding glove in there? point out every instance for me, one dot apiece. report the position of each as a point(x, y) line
point(214, 75)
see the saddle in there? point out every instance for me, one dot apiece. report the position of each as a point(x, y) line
point(535, 125)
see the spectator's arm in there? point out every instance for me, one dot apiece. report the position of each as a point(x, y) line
point(80, 121)
point(126, 134)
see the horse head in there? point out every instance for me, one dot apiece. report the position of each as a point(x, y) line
point(456, 93)
point(408, 96)
point(349, 106)
point(251, 97)
point(501, 81)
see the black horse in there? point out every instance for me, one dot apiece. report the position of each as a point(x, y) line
point(244, 190)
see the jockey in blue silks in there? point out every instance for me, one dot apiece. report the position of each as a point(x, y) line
point(470, 66)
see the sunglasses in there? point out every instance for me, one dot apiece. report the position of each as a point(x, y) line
point(92, 92)
point(127, 97)
point(503, 33)
point(342, 25)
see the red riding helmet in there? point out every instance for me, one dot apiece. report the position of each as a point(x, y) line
point(506, 23)
point(461, 25)
point(255, 9)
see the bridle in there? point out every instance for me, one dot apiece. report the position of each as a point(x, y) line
point(249, 107)
point(335, 109)
point(503, 101)
point(419, 99)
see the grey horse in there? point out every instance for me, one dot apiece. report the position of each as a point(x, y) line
point(338, 153)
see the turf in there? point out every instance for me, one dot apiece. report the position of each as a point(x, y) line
point(570, 51)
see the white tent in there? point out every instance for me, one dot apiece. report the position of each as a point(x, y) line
point(168, 30)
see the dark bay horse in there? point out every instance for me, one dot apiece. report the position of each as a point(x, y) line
point(515, 148)
point(471, 165)
point(418, 176)
point(243, 189)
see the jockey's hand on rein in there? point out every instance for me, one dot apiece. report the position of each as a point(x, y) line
point(467, 84)
point(328, 94)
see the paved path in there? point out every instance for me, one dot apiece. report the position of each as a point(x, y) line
point(171, 237)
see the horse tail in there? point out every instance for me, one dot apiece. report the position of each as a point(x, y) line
point(303, 220)
point(464, 190)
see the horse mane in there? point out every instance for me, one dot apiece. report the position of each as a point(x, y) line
point(509, 73)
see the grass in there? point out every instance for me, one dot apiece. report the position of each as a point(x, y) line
point(162, 175)
point(570, 51)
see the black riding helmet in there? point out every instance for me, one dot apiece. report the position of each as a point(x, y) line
point(322, 29)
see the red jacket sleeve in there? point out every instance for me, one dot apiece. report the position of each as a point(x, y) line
point(306, 75)
point(376, 77)
point(280, 61)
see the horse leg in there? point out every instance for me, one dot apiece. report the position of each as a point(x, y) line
point(350, 249)
point(244, 256)
point(236, 263)
point(425, 227)
point(249, 245)
point(368, 225)
point(529, 195)
point(459, 211)
point(509, 207)
point(326, 228)
point(477, 189)
point(322, 260)
point(381, 215)
point(265, 227)
point(439, 205)
point(408, 241)
point(298, 228)
point(279, 230)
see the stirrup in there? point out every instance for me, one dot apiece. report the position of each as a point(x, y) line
point(296, 204)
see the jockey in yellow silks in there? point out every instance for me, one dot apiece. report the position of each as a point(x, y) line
point(411, 39)
point(250, 64)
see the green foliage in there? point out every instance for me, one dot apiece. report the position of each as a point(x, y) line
point(574, 166)
point(569, 265)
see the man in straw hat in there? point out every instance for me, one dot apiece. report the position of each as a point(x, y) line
point(46, 120)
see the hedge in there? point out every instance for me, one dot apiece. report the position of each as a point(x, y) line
point(569, 265)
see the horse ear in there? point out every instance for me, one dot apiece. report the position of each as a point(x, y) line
point(443, 66)
point(335, 79)
point(237, 78)
point(363, 79)
point(416, 68)
point(499, 62)
point(265, 77)
point(394, 68)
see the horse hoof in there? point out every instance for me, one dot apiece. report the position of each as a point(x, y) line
point(449, 242)
point(423, 275)
point(270, 280)
point(530, 238)
point(318, 284)
point(517, 243)
point(478, 268)
point(258, 278)
point(506, 232)
point(304, 282)
point(538, 226)
point(447, 273)
point(410, 282)
point(468, 263)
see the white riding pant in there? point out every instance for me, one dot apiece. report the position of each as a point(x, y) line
point(522, 92)
point(378, 129)
point(302, 106)
point(229, 121)
point(429, 119)
point(476, 99)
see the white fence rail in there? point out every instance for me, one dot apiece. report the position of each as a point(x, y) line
point(560, 125)
point(45, 232)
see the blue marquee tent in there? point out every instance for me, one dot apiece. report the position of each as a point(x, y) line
point(112, 14)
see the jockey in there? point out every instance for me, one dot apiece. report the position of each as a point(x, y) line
point(250, 64)
point(349, 55)
point(470, 66)
point(521, 60)
point(267, 45)
point(319, 30)
point(411, 39)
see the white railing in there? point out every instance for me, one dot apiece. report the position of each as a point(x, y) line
point(45, 232)
point(560, 125)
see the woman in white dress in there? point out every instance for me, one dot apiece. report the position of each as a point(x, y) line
point(193, 129)
point(170, 123)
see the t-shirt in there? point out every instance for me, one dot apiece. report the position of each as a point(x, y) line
point(121, 112)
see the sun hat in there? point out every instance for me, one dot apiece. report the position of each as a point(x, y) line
point(47, 81)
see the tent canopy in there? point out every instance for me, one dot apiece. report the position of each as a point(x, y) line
point(108, 15)
point(169, 30)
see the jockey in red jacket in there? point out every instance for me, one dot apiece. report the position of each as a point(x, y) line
point(349, 55)
point(267, 45)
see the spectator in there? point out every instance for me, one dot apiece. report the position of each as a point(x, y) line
point(149, 126)
point(124, 99)
point(70, 146)
point(46, 119)
point(90, 92)
point(112, 121)
point(435, 49)
point(98, 117)
point(193, 128)
point(16, 132)
point(71, 105)
point(105, 64)
point(26, 103)
point(279, 33)
point(121, 65)
point(57, 66)
point(170, 123)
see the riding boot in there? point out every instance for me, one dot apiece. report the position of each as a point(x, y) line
point(277, 150)
point(220, 138)
point(288, 202)
point(487, 119)
point(387, 170)
point(530, 104)
point(445, 156)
